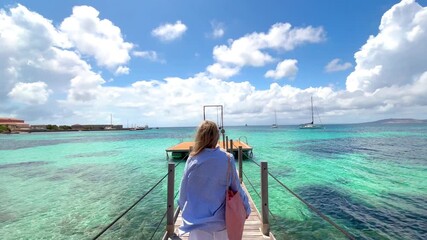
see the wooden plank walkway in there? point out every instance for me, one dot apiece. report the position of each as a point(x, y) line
point(252, 229)
point(182, 149)
point(185, 146)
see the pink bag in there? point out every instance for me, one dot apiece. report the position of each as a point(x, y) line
point(235, 213)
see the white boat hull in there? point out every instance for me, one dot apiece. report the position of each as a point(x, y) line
point(310, 126)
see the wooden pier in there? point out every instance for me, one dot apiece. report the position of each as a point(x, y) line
point(251, 231)
point(256, 226)
point(181, 150)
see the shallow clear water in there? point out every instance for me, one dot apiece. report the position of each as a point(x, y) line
point(370, 180)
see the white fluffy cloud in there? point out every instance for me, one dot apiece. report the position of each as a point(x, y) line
point(336, 65)
point(150, 55)
point(223, 72)
point(169, 32)
point(33, 50)
point(251, 50)
point(30, 93)
point(38, 61)
point(247, 50)
point(244, 102)
point(217, 29)
point(20, 25)
point(95, 37)
point(396, 55)
point(40, 64)
point(122, 70)
point(286, 68)
point(178, 95)
point(244, 51)
point(85, 87)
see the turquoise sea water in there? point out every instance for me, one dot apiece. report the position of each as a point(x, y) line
point(370, 180)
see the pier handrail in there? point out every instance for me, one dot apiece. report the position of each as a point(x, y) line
point(127, 210)
point(320, 214)
point(257, 193)
point(164, 215)
point(311, 207)
point(171, 218)
point(245, 139)
point(264, 193)
point(134, 204)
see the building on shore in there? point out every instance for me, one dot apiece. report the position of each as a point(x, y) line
point(15, 125)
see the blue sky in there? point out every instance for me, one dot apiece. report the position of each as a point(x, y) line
point(159, 62)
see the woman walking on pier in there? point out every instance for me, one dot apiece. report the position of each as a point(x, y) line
point(204, 184)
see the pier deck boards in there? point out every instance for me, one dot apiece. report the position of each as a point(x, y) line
point(251, 231)
point(185, 146)
point(181, 149)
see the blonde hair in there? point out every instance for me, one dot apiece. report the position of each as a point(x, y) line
point(207, 136)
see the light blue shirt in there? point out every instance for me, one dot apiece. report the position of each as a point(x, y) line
point(203, 187)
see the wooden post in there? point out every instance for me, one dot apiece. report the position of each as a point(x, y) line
point(170, 227)
point(239, 157)
point(226, 143)
point(264, 199)
point(223, 136)
point(231, 146)
point(189, 151)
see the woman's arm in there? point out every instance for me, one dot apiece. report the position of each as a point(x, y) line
point(235, 185)
point(183, 188)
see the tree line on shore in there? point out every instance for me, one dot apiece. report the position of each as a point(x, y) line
point(49, 127)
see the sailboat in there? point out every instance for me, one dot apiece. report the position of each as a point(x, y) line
point(275, 120)
point(311, 124)
point(111, 127)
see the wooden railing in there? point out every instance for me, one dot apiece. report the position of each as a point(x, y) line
point(172, 214)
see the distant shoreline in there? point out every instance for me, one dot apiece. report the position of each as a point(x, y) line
point(397, 121)
point(73, 130)
point(378, 122)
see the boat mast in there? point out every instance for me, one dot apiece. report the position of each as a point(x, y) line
point(275, 117)
point(312, 117)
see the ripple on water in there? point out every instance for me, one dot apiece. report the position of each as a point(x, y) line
point(379, 149)
point(26, 170)
point(282, 172)
point(7, 217)
point(29, 164)
point(79, 197)
point(94, 154)
point(387, 222)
